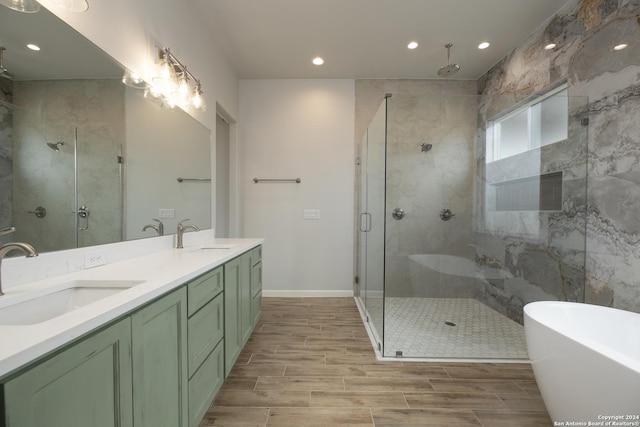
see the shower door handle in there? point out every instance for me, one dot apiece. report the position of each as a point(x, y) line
point(83, 213)
point(367, 222)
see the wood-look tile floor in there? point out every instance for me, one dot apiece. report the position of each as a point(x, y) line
point(309, 362)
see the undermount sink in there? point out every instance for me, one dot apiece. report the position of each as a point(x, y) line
point(39, 305)
point(218, 247)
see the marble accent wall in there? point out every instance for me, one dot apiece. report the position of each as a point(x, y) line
point(6, 156)
point(51, 111)
point(585, 32)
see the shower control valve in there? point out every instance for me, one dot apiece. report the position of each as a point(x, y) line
point(398, 214)
point(446, 214)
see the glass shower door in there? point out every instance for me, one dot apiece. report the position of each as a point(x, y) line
point(372, 226)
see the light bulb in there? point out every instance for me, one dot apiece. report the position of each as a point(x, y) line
point(183, 86)
point(197, 100)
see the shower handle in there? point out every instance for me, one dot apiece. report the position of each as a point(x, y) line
point(367, 222)
point(83, 212)
point(398, 214)
point(446, 214)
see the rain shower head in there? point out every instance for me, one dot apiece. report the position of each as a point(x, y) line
point(449, 69)
point(55, 146)
point(4, 73)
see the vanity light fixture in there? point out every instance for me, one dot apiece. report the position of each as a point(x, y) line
point(620, 46)
point(412, 45)
point(484, 45)
point(550, 46)
point(72, 5)
point(133, 80)
point(25, 6)
point(173, 85)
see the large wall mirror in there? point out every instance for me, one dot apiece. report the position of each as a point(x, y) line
point(85, 159)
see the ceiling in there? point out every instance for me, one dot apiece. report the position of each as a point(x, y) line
point(368, 38)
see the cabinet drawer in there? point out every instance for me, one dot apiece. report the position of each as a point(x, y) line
point(256, 308)
point(205, 330)
point(205, 384)
point(203, 289)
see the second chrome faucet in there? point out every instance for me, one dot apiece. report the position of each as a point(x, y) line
point(181, 230)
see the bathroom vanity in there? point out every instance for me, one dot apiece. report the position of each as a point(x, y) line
point(152, 354)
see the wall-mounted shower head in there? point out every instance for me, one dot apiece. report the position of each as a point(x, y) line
point(449, 69)
point(4, 73)
point(55, 146)
point(424, 147)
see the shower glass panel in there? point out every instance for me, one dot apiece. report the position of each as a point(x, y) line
point(99, 188)
point(458, 239)
point(372, 227)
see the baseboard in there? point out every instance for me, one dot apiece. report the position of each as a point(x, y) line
point(305, 294)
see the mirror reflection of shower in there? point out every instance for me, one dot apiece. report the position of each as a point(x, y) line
point(55, 146)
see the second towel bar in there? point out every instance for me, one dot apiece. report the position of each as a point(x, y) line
point(296, 180)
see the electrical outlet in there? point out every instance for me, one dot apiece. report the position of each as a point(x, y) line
point(166, 213)
point(311, 214)
point(94, 258)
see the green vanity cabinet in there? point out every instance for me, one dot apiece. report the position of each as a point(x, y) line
point(159, 355)
point(242, 302)
point(232, 322)
point(205, 342)
point(160, 365)
point(255, 257)
point(86, 384)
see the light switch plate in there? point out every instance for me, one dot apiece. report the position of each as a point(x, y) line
point(311, 214)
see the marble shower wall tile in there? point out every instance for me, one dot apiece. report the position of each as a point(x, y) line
point(585, 32)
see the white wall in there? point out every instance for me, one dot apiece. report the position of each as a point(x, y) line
point(290, 129)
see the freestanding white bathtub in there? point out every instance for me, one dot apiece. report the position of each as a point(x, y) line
point(586, 360)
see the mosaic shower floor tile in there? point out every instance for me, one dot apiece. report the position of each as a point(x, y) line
point(447, 328)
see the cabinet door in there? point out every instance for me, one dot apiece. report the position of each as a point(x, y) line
point(160, 388)
point(232, 330)
point(87, 384)
point(246, 322)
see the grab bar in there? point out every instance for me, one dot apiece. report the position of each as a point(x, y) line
point(194, 179)
point(296, 180)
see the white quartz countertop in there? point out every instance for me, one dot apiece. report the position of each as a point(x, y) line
point(160, 273)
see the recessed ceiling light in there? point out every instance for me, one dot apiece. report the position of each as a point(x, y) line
point(33, 46)
point(550, 46)
point(412, 45)
point(620, 46)
point(484, 45)
point(318, 61)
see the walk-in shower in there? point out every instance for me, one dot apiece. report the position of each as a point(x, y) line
point(453, 244)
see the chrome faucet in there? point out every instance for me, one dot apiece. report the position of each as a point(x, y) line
point(8, 247)
point(182, 229)
point(158, 228)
